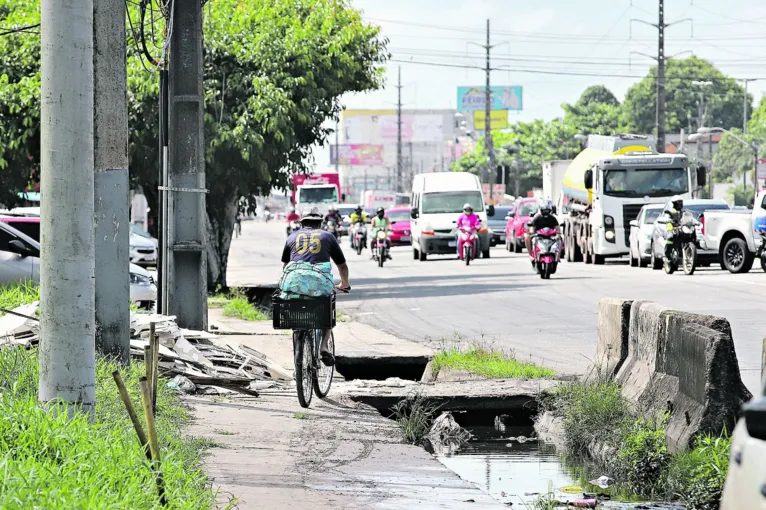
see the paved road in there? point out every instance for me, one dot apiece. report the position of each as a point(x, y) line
point(501, 300)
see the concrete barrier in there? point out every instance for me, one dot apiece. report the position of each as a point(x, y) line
point(683, 365)
point(613, 329)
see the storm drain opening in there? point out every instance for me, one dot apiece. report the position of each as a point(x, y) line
point(409, 368)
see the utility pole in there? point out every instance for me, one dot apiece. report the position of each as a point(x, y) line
point(110, 148)
point(337, 150)
point(185, 279)
point(399, 131)
point(67, 289)
point(488, 119)
point(661, 61)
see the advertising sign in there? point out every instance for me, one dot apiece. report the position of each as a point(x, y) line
point(498, 119)
point(356, 154)
point(372, 128)
point(503, 98)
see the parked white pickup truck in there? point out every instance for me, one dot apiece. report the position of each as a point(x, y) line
point(733, 235)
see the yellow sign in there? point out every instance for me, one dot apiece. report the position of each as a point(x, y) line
point(370, 113)
point(498, 119)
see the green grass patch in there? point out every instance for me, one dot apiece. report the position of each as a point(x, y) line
point(488, 362)
point(414, 416)
point(239, 307)
point(17, 294)
point(217, 301)
point(48, 461)
point(300, 416)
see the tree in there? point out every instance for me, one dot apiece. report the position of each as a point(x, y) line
point(723, 99)
point(274, 72)
point(597, 94)
point(19, 99)
point(756, 126)
point(732, 157)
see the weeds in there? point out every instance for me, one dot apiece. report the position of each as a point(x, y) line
point(300, 416)
point(239, 307)
point(414, 416)
point(697, 476)
point(49, 461)
point(488, 362)
point(15, 295)
point(643, 458)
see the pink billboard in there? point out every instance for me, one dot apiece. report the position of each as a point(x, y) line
point(356, 155)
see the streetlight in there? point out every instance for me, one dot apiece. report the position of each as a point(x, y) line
point(706, 131)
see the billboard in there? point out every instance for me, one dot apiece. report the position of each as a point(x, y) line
point(503, 98)
point(356, 154)
point(381, 127)
point(498, 119)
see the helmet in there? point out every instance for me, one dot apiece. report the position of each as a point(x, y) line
point(311, 216)
point(467, 207)
point(677, 202)
point(546, 207)
point(380, 211)
point(359, 208)
point(292, 209)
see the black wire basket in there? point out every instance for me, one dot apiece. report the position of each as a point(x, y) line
point(306, 313)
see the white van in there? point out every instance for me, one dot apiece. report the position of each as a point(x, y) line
point(437, 202)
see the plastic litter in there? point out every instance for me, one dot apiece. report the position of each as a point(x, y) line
point(602, 481)
point(181, 383)
point(571, 489)
point(584, 503)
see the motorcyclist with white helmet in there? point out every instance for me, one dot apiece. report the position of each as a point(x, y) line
point(543, 219)
point(674, 212)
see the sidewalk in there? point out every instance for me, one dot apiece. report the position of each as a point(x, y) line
point(337, 454)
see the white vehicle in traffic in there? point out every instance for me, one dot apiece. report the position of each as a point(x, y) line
point(731, 234)
point(319, 196)
point(436, 204)
point(641, 235)
point(143, 251)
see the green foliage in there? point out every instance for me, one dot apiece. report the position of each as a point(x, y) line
point(643, 457)
point(239, 307)
point(756, 126)
point(741, 195)
point(489, 363)
point(22, 293)
point(723, 98)
point(49, 461)
point(732, 157)
point(596, 112)
point(414, 416)
point(697, 476)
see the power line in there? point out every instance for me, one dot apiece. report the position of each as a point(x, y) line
point(28, 28)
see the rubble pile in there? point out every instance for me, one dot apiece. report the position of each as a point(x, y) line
point(197, 361)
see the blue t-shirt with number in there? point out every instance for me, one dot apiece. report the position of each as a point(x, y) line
point(314, 246)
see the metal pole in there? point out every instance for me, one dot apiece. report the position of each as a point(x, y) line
point(67, 290)
point(110, 148)
point(186, 278)
point(661, 79)
point(487, 120)
point(162, 262)
point(755, 173)
point(744, 110)
point(710, 153)
point(399, 132)
point(337, 159)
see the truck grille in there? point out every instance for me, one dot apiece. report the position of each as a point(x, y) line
point(629, 213)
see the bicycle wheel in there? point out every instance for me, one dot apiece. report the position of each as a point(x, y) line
point(323, 374)
point(303, 361)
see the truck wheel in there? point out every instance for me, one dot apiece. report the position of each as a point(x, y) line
point(415, 254)
point(763, 263)
point(736, 258)
point(588, 251)
point(423, 256)
point(656, 263)
point(599, 259)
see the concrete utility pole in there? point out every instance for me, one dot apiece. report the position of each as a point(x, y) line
point(337, 150)
point(67, 288)
point(185, 279)
point(661, 60)
point(110, 148)
point(488, 120)
point(399, 186)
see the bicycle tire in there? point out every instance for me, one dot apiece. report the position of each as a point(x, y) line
point(304, 381)
point(322, 377)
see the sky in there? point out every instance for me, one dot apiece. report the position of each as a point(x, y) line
point(554, 49)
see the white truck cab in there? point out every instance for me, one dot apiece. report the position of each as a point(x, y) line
point(437, 203)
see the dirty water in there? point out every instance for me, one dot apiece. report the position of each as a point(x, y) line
point(504, 463)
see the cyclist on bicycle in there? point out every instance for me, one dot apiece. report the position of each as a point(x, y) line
point(308, 252)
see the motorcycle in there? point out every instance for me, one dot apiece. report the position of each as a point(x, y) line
point(761, 251)
point(359, 237)
point(467, 236)
point(546, 250)
point(332, 227)
point(380, 250)
point(684, 248)
point(294, 226)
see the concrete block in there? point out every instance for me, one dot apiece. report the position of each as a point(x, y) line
point(646, 325)
point(613, 329)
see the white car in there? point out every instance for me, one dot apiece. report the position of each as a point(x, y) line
point(143, 251)
point(135, 229)
point(641, 235)
point(745, 486)
point(20, 261)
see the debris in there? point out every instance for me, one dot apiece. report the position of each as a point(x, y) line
point(584, 503)
point(446, 432)
point(571, 489)
point(602, 481)
point(181, 383)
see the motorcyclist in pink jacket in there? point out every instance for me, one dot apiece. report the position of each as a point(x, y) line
point(469, 220)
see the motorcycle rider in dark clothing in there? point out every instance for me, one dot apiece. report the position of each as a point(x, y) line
point(543, 219)
point(332, 215)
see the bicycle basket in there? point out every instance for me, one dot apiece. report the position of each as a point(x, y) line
point(308, 313)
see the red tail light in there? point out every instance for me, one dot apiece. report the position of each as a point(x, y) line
point(702, 221)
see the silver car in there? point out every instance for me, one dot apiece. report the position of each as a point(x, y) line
point(641, 235)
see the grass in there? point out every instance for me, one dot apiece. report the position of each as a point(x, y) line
point(414, 416)
point(300, 416)
point(596, 411)
point(217, 301)
point(13, 296)
point(239, 307)
point(48, 461)
point(488, 362)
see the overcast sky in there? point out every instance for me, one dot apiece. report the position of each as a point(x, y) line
point(552, 46)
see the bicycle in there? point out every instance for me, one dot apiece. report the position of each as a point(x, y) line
point(307, 318)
